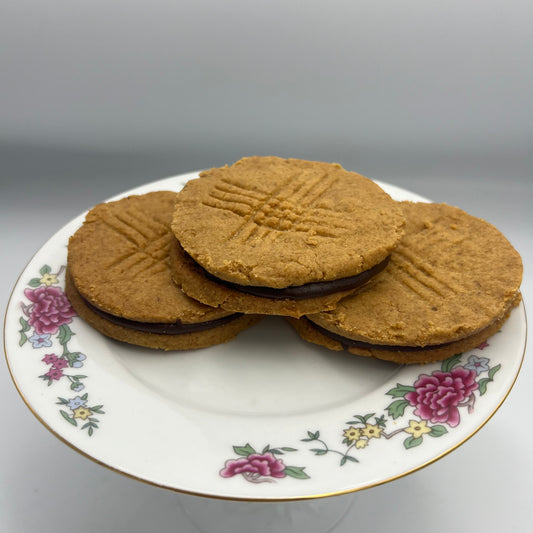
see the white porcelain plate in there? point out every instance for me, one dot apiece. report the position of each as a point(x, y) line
point(263, 417)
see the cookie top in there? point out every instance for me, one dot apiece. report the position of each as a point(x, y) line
point(118, 260)
point(451, 276)
point(272, 222)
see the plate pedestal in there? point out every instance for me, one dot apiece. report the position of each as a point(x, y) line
point(321, 515)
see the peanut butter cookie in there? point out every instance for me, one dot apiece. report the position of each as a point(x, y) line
point(119, 280)
point(281, 236)
point(450, 284)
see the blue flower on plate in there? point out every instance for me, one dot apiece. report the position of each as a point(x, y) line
point(40, 341)
point(478, 364)
point(78, 361)
point(76, 402)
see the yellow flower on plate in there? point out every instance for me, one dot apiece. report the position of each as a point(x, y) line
point(372, 431)
point(49, 279)
point(82, 412)
point(417, 428)
point(352, 433)
point(361, 443)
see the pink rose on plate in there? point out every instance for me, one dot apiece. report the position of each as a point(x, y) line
point(438, 396)
point(254, 466)
point(50, 309)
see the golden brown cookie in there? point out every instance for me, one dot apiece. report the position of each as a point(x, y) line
point(450, 284)
point(281, 236)
point(119, 280)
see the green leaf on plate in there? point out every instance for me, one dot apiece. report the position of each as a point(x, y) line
point(24, 327)
point(312, 436)
point(400, 390)
point(483, 383)
point(68, 418)
point(45, 270)
point(319, 451)
point(380, 421)
point(65, 334)
point(493, 371)
point(437, 431)
point(23, 338)
point(245, 451)
point(452, 361)
point(346, 458)
point(397, 408)
point(358, 420)
point(411, 442)
point(296, 472)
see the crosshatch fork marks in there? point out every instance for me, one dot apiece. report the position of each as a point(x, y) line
point(291, 206)
point(149, 238)
point(419, 277)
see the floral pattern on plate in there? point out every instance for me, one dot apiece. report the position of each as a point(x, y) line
point(435, 399)
point(262, 467)
point(45, 324)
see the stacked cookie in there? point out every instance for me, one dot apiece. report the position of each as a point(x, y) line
point(282, 237)
point(347, 265)
point(451, 283)
point(118, 279)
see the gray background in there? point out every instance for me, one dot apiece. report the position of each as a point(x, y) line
point(97, 97)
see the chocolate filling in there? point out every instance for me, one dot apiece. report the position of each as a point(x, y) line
point(176, 328)
point(351, 343)
point(303, 292)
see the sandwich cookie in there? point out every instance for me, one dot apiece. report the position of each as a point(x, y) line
point(280, 236)
point(118, 279)
point(450, 284)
